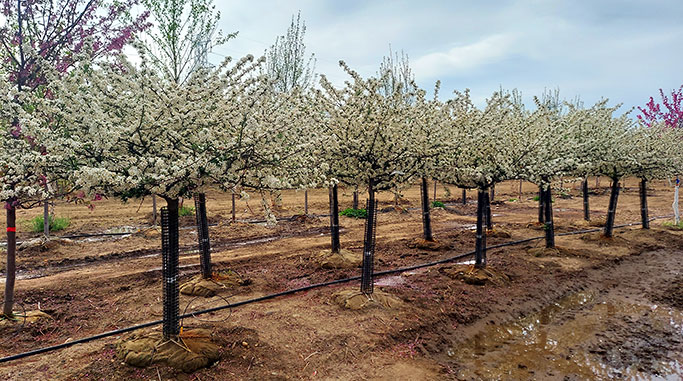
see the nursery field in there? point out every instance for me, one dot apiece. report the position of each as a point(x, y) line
point(596, 308)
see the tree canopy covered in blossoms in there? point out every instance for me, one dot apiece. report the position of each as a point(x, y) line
point(370, 134)
point(484, 145)
point(158, 137)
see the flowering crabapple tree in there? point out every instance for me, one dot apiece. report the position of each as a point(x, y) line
point(552, 153)
point(23, 169)
point(177, 45)
point(143, 135)
point(585, 124)
point(182, 35)
point(40, 37)
point(318, 156)
point(369, 140)
point(395, 76)
point(610, 152)
point(656, 156)
point(293, 160)
point(276, 142)
point(484, 147)
point(136, 134)
point(430, 116)
point(426, 114)
point(619, 148)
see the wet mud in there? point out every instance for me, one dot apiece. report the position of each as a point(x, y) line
point(624, 326)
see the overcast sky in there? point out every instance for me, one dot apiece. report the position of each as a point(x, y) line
point(623, 50)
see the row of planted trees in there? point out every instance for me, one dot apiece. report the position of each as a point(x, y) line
point(110, 127)
point(505, 141)
point(113, 128)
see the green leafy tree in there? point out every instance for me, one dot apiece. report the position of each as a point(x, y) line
point(399, 73)
point(184, 32)
point(287, 63)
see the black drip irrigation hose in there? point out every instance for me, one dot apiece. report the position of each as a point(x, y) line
point(89, 235)
point(290, 292)
point(288, 218)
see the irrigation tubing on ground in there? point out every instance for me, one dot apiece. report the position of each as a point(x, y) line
point(290, 292)
point(289, 218)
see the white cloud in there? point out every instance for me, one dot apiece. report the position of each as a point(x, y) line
point(620, 49)
point(464, 57)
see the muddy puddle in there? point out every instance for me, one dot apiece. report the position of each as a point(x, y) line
point(581, 337)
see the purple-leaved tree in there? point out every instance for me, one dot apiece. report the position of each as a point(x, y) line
point(671, 114)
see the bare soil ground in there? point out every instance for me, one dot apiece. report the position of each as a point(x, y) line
point(597, 310)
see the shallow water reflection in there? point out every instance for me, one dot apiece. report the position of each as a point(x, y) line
point(578, 338)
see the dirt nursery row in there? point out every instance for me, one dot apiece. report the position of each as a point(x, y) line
point(598, 309)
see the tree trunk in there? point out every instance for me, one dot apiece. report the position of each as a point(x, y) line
point(645, 219)
point(549, 227)
point(355, 199)
point(541, 205)
point(480, 246)
point(520, 190)
point(435, 183)
point(464, 196)
point(487, 211)
point(426, 218)
point(306, 202)
point(674, 205)
point(334, 219)
point(611, 212)
point(46, 219)
point(154, 209)
point(203, 235)
point(367, 275)
point(492, 193)
point(233, 207)
point(10, 267)
point(169, 249)
point(586, 208)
